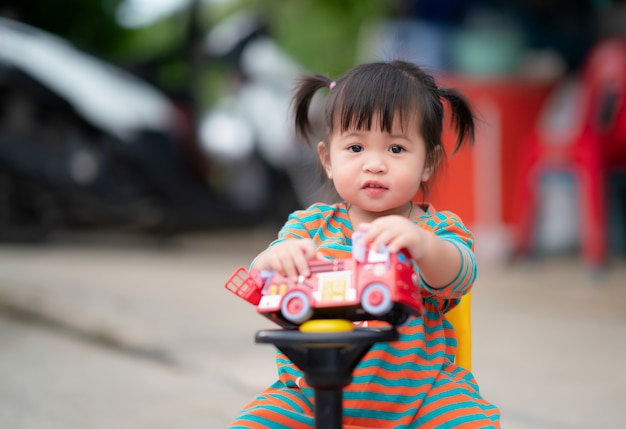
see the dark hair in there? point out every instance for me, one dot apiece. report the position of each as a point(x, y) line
point(388, 89)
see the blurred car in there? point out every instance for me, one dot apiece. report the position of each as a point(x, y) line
point(83, 142)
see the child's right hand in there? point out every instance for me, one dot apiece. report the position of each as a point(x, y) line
point(289, 258)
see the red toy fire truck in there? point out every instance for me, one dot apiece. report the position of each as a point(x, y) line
point(373, 284)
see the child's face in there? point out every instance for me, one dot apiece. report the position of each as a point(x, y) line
point(376, 171)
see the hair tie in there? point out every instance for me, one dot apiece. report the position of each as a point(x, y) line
point(332, 84)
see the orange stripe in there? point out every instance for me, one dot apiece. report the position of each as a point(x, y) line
point(451, 401)
point(262, 411)
point(452, 414)
point(391, 374)
point(387, 405)
point(250, 425)
point(300, 400)
point(390, 390)
point(364, 422)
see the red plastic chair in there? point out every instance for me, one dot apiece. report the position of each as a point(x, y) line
point(591, 146)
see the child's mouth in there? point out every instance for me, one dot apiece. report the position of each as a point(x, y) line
point(373, 185)
point(374, 188)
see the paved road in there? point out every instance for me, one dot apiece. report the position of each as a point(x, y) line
point(117, 331)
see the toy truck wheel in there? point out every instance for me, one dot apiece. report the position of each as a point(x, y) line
point(296, 307)
point(376, 299)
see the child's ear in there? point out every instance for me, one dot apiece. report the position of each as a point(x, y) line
point(426, 174)
point(322, 151)
point(432, 163)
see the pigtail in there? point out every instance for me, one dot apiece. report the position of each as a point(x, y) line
point(462, 116)
point(301, 102)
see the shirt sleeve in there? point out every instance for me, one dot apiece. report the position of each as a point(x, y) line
point(449, 227)
point(298, 225)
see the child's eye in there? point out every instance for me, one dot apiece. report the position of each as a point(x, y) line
point(355, 148)
point(396, 149)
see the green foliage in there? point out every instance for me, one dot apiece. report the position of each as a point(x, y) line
point(321, 34)
point(162, 41)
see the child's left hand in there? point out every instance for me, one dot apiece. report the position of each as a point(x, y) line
point(397, 233)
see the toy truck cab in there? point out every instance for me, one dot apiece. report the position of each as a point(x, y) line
point(373, 284)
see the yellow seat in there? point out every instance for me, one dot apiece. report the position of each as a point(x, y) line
point(461, 318)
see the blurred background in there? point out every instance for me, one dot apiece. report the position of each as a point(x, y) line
point(146, 151)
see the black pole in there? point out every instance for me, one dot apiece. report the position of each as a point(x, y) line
point(328, 408)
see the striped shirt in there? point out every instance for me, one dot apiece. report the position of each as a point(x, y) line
point(411, 383)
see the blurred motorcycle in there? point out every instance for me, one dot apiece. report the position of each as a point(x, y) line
point(84, 143)
point(249, 131)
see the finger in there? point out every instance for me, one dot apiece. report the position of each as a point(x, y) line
point(274, 262)
point(289, 268)
point(376, 237)
point(260, 263)
point(301, 264)
point(396, 244)
point(268, 261)
point(294, 259)
point(308, 249)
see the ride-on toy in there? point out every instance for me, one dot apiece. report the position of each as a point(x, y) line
point(326, 351)
point(372, 284)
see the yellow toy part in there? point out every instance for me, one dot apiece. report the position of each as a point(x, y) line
point(318, 326)
point(461, 318)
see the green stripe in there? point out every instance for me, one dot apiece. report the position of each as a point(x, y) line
point(471, 415)
point(384, 382)
point(377, 415)
point(286, 398)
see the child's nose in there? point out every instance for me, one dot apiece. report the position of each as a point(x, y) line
point(374, 164)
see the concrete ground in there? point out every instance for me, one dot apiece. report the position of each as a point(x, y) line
point(106, 331)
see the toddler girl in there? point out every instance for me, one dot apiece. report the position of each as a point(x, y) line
point(381, 144)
